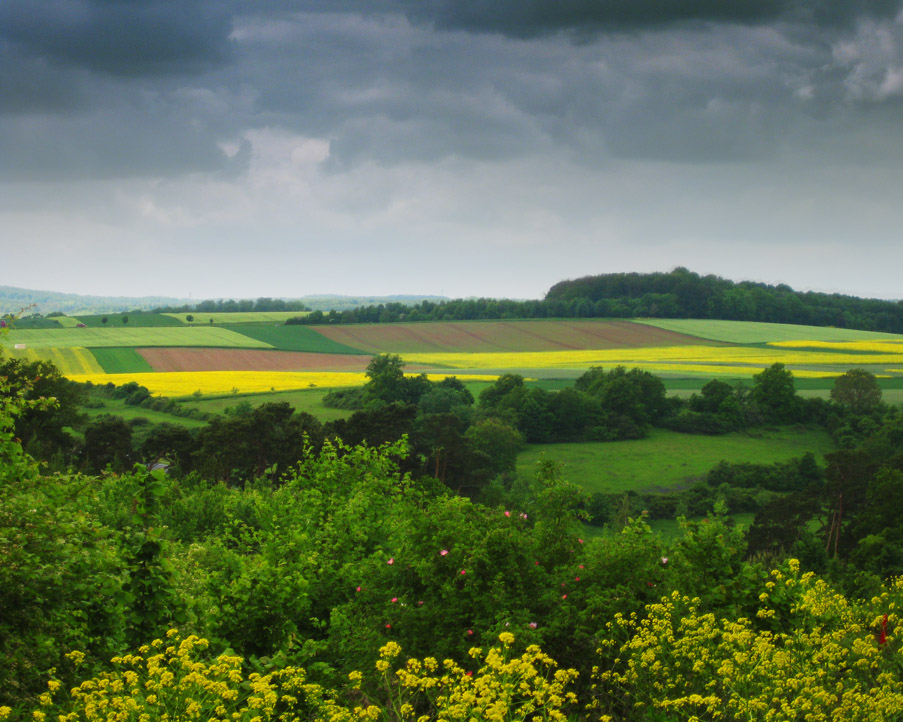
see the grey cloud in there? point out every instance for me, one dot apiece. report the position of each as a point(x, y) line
point(538, 17)
point(120, 37)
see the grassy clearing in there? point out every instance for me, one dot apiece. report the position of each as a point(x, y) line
point(757, 332)
point(294, 338)
point(67, 360)
point(201, 318)
point(135, 320)
point(121, 361)
point(118, 407)
point(668, 459)
point(310, 401)
point(132, 337)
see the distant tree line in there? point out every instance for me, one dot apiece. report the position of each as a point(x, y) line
point(231, 305)
point(677, 294)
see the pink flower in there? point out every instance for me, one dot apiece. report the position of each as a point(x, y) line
point(536, 563)
point(576, 579)
point(523, 515)
point(358, 589)
point(419, 604)
point(469, 632)
point(532, 625)
point(564, 596)
point(507, 513)
point(463, 572)
point(580, 541)
point(388, 626)
point(391, 560)
point(394, 599)
point(664, 560)
point(443, 552)
point(580, 566)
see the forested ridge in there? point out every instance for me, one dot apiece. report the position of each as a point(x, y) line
point(677, 294)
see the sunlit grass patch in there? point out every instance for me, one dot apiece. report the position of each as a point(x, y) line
point(67, 360)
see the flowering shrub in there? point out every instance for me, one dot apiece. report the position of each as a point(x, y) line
point(808, 654)
point(169, 680)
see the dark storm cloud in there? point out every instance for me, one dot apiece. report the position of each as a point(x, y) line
point(519, 18)
point(119, 37)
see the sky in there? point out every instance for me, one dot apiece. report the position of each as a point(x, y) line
point(284, 148)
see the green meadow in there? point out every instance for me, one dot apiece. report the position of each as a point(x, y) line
point(293, 338)
point(133, 337)
point(121, 361)
point(200, 318)
point(667, 459)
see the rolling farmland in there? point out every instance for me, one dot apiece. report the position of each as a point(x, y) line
point(200, 355)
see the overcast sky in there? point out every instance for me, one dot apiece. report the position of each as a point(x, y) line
point(220, 148)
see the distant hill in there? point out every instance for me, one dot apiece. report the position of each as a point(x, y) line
point(14, 300)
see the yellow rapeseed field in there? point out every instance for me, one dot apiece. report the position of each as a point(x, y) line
point(653, 357)
point(894, 347)
point(186, 383)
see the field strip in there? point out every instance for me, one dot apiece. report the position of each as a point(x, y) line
point(232, 359)
point(502, 336)
point(201, 318)
point(125, 337)
point(667, 355)
point(889, 346)
point(187, 383)
point(760, 332)
point(67, 360)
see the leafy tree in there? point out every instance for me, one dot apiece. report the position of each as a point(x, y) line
point(774, 392)
point(104, 320)
point(108, 441)
point(857, 390)
point(125, 320)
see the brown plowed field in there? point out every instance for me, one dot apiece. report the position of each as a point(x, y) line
point(475, 336)
point(236, 359)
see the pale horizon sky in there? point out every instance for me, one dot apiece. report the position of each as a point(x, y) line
point(450, 147)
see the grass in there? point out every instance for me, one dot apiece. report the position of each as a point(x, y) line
point(67, 360)
point(294, 338)
point(121, 361)
point(118, 407)
point(667, 459)
point(203, 319)
point(35, 323)
point(135, 320)
point(132, 337)
point(756, 332)
point(310, 401)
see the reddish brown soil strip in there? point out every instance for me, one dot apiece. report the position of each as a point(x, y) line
point(475, 336)
point(235, 359)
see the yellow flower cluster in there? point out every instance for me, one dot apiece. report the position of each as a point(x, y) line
point(883, 346)
point(505, 688)
point(829, 666)
point(167, 680)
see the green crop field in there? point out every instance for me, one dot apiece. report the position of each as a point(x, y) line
point(65, 321)
point(67, 360)
point(121, 361)
point(135, 320)
point(118, 407)
point(750, 332)
point(668, 459)
point(201, 318)
point(310, 401)
point(294, 338)
point(34, 323)
point(133, 337)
